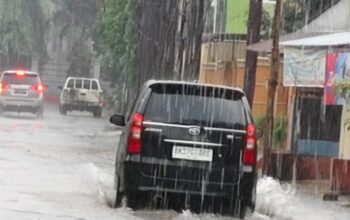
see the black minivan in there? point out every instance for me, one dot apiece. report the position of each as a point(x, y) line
point(188, 140)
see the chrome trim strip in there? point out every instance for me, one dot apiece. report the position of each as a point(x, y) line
point(193, 142)
point(154, 130)
point(166, 124)
point(189, 126)
point(230, 136)
point(226, 130)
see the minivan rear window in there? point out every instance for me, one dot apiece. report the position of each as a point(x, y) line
point(87, 84)
point(14, 79)
point(196, 105)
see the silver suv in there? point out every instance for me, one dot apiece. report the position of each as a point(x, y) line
point(82, 94)
point(21, 91)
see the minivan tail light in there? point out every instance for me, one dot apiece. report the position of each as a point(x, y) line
point(20, 73)
point(38, 88)
point(2, 87)
point(134, 141)
point(250, 148)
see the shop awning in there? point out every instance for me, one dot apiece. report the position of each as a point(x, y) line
point(266, 46)
point(335, 39)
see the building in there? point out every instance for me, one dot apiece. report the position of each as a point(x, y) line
point(318, 125)
point(223, 58)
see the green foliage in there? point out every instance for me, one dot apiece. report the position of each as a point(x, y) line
point(75, 21)
point(79, 57)
point(343, 87)
point(117, 37)
point(22, 30)
point(279, 129)
point(266, 24)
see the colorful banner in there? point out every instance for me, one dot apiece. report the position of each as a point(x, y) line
point(337, 85)
point(304, 67)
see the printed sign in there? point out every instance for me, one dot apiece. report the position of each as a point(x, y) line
point(304, 67)
point(337, 85)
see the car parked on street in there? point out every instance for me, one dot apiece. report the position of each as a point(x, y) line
point(21, 91)
point(81, 94)
point(192, 140)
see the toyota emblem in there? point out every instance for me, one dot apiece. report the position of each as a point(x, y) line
point(194, 131)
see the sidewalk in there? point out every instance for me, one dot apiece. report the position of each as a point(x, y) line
point(318, 188)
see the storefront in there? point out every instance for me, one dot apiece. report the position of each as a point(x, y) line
point(319, 68)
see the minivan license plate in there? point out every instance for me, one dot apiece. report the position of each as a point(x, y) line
point(20, 91)
point(190, 153)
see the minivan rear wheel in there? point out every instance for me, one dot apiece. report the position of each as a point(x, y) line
point(118, 194)
point(137, 200)
point(40, 112)
point(98, 112)
point(63, 110)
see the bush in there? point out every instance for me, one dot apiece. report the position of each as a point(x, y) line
point(279, 129)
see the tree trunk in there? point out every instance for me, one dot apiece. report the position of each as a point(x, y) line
point(189, 39)
point(253, 36)
point(272, 84)
point(170, 34)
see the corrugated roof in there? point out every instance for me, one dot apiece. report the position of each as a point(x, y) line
point(266, 46)
point(324, 6)
point(336, 39)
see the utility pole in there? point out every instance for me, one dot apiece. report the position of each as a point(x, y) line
point(253, 36)
point(272, 84)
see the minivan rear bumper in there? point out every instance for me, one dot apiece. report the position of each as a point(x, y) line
point(9, 102)
point(136, 180)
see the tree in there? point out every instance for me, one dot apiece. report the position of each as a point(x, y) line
point(297, 13)
point(75, 22)
point(80, 58)
point(253, 36)
point(22, 32)
point(272, 85)
point(150, 39)
point(266, 23)
point(117, 38)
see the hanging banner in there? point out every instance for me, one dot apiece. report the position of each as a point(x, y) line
point(304, 67)
point(337, 85)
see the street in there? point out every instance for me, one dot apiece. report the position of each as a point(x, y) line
point(61, 167)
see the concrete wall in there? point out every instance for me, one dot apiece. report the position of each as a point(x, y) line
point(344, 143)
point(307, 167)
point(220, 66)
point(340, 176)
point(318, 148)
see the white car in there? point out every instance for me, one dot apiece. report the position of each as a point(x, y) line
point(81, 94)
point(21, 91)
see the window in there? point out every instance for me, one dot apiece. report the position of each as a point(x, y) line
point(317, 123)
point(87, 84)
point(78, 83)
point(70, 83)
point(13, 79)
point(211, 107)
point(94, 85)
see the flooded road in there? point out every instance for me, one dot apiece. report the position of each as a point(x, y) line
point(61, 167)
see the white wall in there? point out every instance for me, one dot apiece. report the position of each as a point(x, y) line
point(334, 19)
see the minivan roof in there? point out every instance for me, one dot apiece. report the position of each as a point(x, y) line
point(85, 78)
point(150, 83)
point(24, 71)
